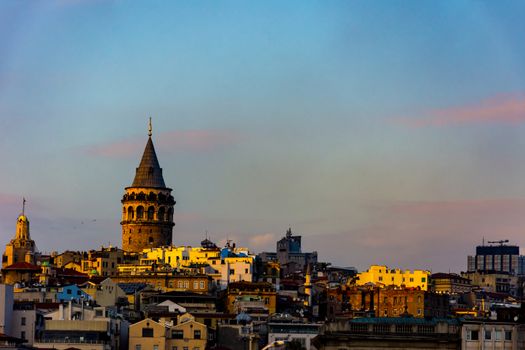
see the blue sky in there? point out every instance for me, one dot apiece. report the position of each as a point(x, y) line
point(383, 132)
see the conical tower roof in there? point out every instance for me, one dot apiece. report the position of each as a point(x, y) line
point(149, 172)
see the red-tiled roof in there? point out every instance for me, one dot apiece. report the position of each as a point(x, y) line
point(23, 266)
point(70, 273)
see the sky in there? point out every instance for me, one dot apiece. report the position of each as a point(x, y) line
point(383, 132)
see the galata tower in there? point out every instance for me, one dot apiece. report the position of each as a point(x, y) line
point(147, 206)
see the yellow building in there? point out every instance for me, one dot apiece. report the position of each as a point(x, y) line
point(187, 333)
point(382, 275)
point(104, 261)
point(151, 335)
point(147, 335)
point(226, 265)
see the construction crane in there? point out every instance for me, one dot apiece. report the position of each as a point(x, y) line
point(503, 241)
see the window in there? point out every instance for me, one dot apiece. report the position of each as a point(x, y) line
point(196, 348)
point(147, 332)
point(508, 335)
point(488, 334)
point(380, 278)
point(232, 272)
point(186, 284)
point(177, 334)
point(185, 348)
point(196, 334)
point(138, 347)
point(23, 335)
point(23, 321)
point(155, 347)
point(498, 335)
point(173, 348)
point(423, 279)
point(202, 284)
point(246, 271)
point(68, 291)
point(195, 285)
point(411, 279)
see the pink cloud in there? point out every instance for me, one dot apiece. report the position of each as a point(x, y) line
point(196, 141)
point(503, 108)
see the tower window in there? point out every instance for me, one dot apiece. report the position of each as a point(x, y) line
point(131, 213)
point(140, 212)
point(151, 240)
point(161, 213)
point(151, 211)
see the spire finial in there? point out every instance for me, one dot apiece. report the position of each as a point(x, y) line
point(150, 128)
point(23, 205)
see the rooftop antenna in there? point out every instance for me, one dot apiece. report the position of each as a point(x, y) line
point(150, 128)
point(483, 241)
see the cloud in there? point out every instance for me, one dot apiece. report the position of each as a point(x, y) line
point(262, 241)
point(193, 141)
point(503, 108)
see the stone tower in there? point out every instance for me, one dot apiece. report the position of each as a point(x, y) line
point(22, 247)
point(147, 206)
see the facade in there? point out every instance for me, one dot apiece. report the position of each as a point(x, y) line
point(293, 331)
point(187, 333)
point(6, 308)
point(106, 293)
point(22, 247)
point(103, 262)
point(390, 333)
point(147, 334)
point(151, 335)
point(494, 282)
point(83, 327)
point(224, 265)
point(395, 302)
point(487, 334)
point(449, 283)
point(495, 258)
point(251, 294)
point(382, 275)
point(147, 206)
point(27, 322)
point(169, 281)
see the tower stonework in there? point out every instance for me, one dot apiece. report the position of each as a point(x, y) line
point(147, 206)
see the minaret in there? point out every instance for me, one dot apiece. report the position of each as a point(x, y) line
point(147, 205)
point(308, 285)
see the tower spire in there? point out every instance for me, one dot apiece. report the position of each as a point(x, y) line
point(150, 128)
point(23, 205)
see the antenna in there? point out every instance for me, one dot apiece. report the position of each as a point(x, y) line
point(150, 128)
point(23, 205)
